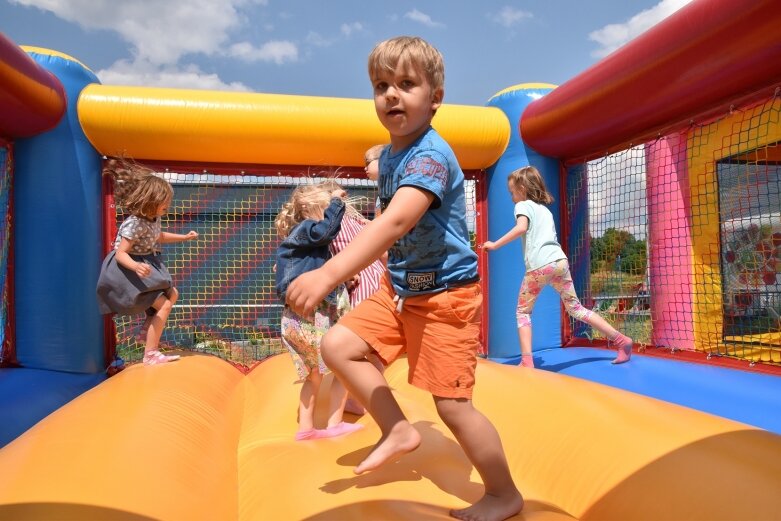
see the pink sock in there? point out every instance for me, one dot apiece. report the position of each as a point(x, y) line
point(305, 435)
point(340, 429)
point(624, 344)
point(527, 361)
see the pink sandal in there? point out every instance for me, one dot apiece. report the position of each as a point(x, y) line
point(155, 357)
point(340, 429)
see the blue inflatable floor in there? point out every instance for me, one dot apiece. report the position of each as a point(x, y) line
point(744, 396)
point(29, 395)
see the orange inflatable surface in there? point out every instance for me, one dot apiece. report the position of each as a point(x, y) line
point(197, 439)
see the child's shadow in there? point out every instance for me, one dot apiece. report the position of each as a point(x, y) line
point(438, 459)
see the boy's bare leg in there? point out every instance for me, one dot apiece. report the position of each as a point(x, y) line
point(353, 406)
point(482, 445)
point(345, 353)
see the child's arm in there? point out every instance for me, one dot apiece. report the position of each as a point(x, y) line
point(124, 259)
point(166, 237)
point(520, 228)
point(404, 211)
point(324, 231)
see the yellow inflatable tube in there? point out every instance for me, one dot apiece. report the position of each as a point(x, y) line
point(250, 128)
point(198, 440)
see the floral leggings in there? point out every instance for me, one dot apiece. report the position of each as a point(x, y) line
point(557, 275)
point(302, 337)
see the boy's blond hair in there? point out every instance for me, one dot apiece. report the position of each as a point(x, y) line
point(387, 56)
point(373, 153)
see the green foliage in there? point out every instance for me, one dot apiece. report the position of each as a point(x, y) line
point(618, 250)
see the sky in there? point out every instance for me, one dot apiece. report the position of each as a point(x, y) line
point(319, 48)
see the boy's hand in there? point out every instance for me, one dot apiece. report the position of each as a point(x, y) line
point(191, 235)
point(308, 290)
point(489, 245)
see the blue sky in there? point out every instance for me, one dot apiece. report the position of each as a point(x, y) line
point(319, 48)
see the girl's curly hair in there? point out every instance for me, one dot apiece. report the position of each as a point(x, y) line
point(307, 202)
point(137, 189)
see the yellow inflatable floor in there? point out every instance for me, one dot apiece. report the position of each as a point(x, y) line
point(197, 439)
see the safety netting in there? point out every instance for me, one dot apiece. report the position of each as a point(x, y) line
point(677, 242)
point(228, 305)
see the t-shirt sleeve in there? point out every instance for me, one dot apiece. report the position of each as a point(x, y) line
point(427, 169)
point(131, 228)
point(523, 208)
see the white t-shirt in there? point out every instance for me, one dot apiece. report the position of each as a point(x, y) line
point(540, 243)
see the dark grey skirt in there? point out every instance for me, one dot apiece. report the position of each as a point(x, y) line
point(123, 292)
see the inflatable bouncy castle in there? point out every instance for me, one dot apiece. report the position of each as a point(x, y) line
point(664, 159)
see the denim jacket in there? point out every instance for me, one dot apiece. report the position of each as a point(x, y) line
point(306, 248)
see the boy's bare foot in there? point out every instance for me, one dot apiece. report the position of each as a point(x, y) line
point(491, 508)
point(403, 438)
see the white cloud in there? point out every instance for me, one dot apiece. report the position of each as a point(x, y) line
point(613, 36)
point(349, 29)
point(509, 16)
point(162, 33)
point(146, 74)
point(423, 18)
point(277, 51)
point(617, 193)
point(159, 31)
point(318, 40)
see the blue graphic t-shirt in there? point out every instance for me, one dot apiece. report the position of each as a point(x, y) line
point(436, 253)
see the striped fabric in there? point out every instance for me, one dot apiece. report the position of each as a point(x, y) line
point(371, 276)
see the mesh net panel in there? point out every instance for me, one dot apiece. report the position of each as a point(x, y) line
point(681, 246)
point(227, 302)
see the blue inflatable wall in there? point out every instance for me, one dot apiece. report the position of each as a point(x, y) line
point(57, 194)
point(506, 266)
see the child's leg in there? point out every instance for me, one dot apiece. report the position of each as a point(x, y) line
point(623, 342)
point(352, 405)
point(149, 315)
point(345, 353)
point(163, 305)
point(337, 395)
point(525, 338)
point(482, 445)
point(532, 284)
point(306, 404)
point(563, 284)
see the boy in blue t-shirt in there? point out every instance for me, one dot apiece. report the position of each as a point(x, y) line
point(430, 307)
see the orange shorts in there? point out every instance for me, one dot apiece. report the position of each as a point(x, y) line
point(440, 332)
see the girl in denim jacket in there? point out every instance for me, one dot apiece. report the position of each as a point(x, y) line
point(309, 221)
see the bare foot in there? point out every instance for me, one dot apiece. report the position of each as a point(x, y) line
point(403, 438)
point(491, 508)
point(624, 344)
